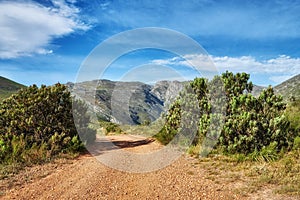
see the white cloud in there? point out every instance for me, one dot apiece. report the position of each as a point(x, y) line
point(276, 69)
point(281, 65)
point(201, 61)
point(28, 27)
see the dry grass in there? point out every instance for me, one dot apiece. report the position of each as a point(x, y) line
point(281, 177)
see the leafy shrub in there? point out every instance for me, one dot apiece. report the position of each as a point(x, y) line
point(40, 120)
point(110, 127)
point(296, 143)
point(246, 124)
point(167, 133)
point(293, 114)
point(267, 153)
point(256, 122)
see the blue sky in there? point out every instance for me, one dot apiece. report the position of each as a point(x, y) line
point(46, 41)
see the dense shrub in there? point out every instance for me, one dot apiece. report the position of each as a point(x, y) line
point(191, 105)
point(246, 124)
point(40, 120)
point(293, 113)
point(254, 123)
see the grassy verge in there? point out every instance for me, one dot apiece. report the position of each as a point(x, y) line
point(281, 177)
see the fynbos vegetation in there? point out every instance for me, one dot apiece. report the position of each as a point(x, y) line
point(37, 123)
point(251, 125)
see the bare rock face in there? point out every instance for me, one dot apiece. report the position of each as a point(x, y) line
point(167, 91)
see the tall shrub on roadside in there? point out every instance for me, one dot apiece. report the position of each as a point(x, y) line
point(247, 124)
point(40, 118)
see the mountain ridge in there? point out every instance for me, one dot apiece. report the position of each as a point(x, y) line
point(8, 87)
point(289, 88)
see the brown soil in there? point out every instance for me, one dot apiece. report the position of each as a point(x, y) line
point(87, 178)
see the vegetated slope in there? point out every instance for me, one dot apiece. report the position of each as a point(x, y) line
point(289, 88)
point(8, 87)
point(128, 102)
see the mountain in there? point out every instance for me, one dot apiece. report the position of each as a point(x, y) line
point(8, 87)
point(256, 90)
point(289, 88)
point(127, 102)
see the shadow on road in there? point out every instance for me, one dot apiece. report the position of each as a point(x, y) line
point(105, 145)
point(127, 144)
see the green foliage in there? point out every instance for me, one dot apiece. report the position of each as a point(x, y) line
point(293, 114)
point(236, 84)
point(184, 112)
point(37, 123)
point(296, 143)
point(267, 153)
point(255, 122)
point(252, 123)
point(172, 124)
point(231, 119)
point(110, 127)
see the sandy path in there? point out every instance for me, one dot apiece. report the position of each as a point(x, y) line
point(87, 178)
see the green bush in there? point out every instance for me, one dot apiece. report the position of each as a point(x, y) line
point(296, 143)
point(293, 114)
point(247, 125)
point(38, 122)
point(256, 122)
point(110, 127)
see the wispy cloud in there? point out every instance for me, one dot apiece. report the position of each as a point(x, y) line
point(276, 69)
point(28, 27)
point(201, 62)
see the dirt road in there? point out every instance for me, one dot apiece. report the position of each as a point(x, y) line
point(87, 178)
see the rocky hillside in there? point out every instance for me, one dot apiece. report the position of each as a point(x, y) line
point(8, 87)
point(289, 88)
point(128, 102)
point(257, 90)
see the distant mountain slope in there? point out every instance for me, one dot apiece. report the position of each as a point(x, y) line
point(289, 88)
point(8, 87)
point(128, 102)
point(257, 90)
